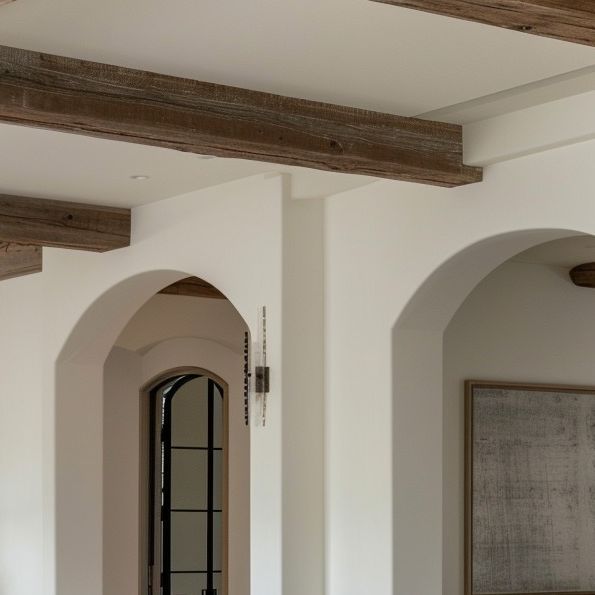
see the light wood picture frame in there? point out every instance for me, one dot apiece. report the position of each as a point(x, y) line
point(529, 489)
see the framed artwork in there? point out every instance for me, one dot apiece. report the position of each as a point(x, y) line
point(529, 489)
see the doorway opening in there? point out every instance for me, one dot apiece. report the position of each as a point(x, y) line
point(186, 442)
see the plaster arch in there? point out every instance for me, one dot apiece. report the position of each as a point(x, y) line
point(417, 408)
point(228, 365)
point(78, 430)
point(128, 376)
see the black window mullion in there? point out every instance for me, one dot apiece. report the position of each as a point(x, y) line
point(152, 421)
point(210, 482)
point(166, 508)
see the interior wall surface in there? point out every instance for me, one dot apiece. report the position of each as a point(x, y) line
point(21, 457)
point(382, 245)
point(303, 398)
point(229, 236)
point(121, 473)
point(399, 261)
point(524, 323)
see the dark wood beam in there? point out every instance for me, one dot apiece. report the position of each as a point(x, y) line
point(583, 275)
point(17, 260)
point(81, 97)
point(568, 20)
point(193, 287)
point(44, 222)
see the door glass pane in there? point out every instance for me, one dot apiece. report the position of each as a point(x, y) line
point(189, 479)
point(218, 462)
point(189, 414)
point(217, 545)
point(188, 541)
point(188, 584)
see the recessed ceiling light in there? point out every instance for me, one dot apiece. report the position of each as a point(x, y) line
point(206, 156)
point(139, 177)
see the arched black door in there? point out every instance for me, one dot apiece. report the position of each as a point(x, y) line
point(186, 476)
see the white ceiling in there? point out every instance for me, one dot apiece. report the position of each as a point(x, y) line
point(97, 171)
point(351, 52)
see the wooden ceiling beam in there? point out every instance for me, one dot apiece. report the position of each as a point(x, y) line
point(17, 260)
point(45, 222)
point(193, 287)
point(81, 97)
point(583, 275)
point(567, 20)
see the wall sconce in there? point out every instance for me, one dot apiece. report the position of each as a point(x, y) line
point(259, 380)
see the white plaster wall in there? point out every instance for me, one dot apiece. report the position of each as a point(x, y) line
point(523, 323)
point(71, 315)
point(121, 473)
point(21, 498)
point(230, 236)
point(303, 398)
point(383, 243)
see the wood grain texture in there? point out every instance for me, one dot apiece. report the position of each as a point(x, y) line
point(82, 97)
point(567, 20)
point(44, 222)
point(583, 275)
point(193, 287)
point(17, 260)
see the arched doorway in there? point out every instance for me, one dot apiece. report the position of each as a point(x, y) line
point(97, 487)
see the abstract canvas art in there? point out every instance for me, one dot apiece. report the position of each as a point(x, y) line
point(530, 489)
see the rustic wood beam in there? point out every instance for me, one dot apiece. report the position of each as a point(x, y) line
point(193, 287)
point(17, 260)
point(583, 275)
point(568, 20)
point(44, 222)
point(82, 97)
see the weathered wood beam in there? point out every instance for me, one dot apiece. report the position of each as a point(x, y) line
point(583, 275)
point(17, 260)
point(193, 287)
point(82, 97)
point(568, 20)
point(44, 222)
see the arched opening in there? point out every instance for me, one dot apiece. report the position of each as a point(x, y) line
point(426, 546)
point(524, 324)
point(125, 343)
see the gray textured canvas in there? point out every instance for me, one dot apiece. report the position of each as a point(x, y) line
point(533, 492)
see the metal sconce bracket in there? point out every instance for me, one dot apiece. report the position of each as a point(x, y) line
point(262, 381)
